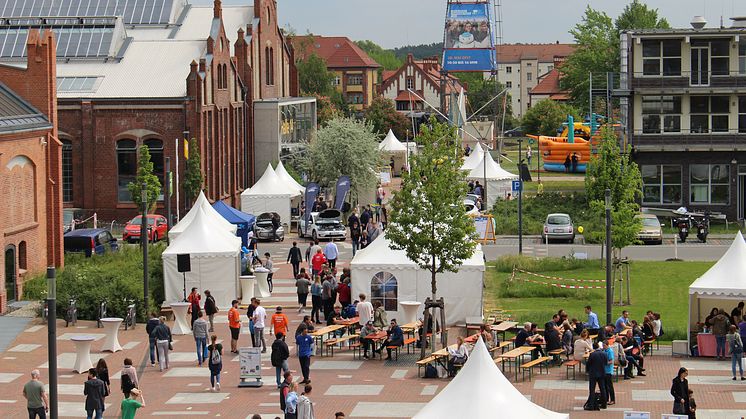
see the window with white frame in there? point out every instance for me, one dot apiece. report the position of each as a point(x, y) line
point(509, 69)
point(661, 57)
point(661, 114)
point(509, 84)
point(410, 83)
point(355, 79)
point(661, 184)
point(709, 114)
point(529, 76)
point(384, 288)
point(337, 81)
point(708, 183)
point(742, 114)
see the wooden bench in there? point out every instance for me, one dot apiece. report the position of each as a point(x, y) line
point(331, 343)
point(357, 349)
point(573, 365)
point(648, 344)
point(557, 355)
point(530, 365)
point(409, 342)
point(501, 347)
point(424, 362)
point(395, 350)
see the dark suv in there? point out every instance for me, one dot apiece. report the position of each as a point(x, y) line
point(90, 241)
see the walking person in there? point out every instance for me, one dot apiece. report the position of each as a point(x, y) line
point(596, 368)
point(316, 299)
point(384, 216)
point(163, 343)
point(194, 304)
point(93, 389)
point(574, 161)
point(609, 369)
point(279, 356)
point(199, 330)
point(680, 393)
point(736, 350)
point(379, 315)
point(302, 284)
point(153, 322)
point(268, 265)
point(128, 379)
point(260, 317)
point(211, 309)
point(37, 402)
point(355, 234)
point(568, 163)
point(364, 310)
point(295, 258)
point(305, 406)
point(331, 252)
point(279, 323)
point(234, 324)
point(317, 261)
point(102, 372)
point(305, 351)
point(327, 300)
point(130, 404)
point(215, 362)
point(250, 314)
point(529, 153)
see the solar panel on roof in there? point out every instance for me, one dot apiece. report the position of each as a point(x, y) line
point(133, 12)
point(76, 42)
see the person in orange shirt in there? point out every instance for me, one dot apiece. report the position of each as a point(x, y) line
point(234, 323)
point(279, 323)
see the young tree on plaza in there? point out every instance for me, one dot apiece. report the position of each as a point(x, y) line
point(612, 169)
point(193, 178)
point(344, 146)
point(145, 175)
point(427, 219)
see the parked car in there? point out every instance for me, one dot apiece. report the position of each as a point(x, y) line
point(157, 228)
point(651, 231)
point(470, 206)
point(90, 241)
point(558, 227)
point(326, 224)
point(515, 132)
point(263, 226)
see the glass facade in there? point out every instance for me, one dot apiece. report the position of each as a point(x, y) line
point(296, 124)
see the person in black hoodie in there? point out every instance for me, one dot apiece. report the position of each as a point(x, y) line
point(295, 258)
point(596, 375)
point(211, 308)
point(94, 391)
point(680, 392)
point(279, 356)
point(153, 322)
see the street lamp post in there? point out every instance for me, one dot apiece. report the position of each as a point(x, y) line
point(520, 200)
point(168, 197)
point(52, 339)
point(607, 196)
point(144, 243)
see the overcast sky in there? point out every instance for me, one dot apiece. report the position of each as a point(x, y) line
point(393, 23)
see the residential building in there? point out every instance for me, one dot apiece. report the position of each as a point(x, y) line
point(356, 74)
point(153, 73)
point(520, 67)
point(423, 78)
point(685, 116)
point(30, 168)
point(548, 87)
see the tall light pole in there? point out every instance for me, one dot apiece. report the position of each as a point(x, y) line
point(607, 196)
point(520, 199)
point(144, 243)
point(168, 197)
point(52, 339)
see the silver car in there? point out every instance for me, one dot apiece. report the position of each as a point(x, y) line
point(326, 224)
point(263, 229)
point(558, 227)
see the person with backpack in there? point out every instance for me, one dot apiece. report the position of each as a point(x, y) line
point(211, 308)
point(279, 356)
point(153, 322)
point(736, 350)
point(379, 315)
point(285, 389)
point(215, 362)
point(128, 379)
point(199, 330)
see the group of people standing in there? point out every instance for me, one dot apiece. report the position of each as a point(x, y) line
point(730, 333)
point(571, 162)
point(367, 226)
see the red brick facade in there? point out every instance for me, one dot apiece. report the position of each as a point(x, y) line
point(30, 173)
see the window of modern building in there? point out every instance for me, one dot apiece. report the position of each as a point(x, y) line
point(155, 147)
point(709, 114)
point(709, 183)
point(720, 57)
point(661, 114)
point(508, 69)
point(742, 114)
point(126, 168)
point(529, 76)
point(742, 57)
point(661, 184)
point(410, 83)
point(67, 171)
point(509, 84)
point(355, 79)
point(661, 58)
point(384, 289)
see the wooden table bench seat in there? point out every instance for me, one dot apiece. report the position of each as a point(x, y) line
point(529, 366)
point(573, 365)
point(331, 343)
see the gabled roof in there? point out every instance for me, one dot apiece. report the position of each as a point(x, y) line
point(545, 53)
point(337, 51)
point(429, 69)
point(18, 115)
point(549, 84)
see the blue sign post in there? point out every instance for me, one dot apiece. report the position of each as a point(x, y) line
point(517, 186)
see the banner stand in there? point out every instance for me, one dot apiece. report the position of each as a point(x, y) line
point(250, 360)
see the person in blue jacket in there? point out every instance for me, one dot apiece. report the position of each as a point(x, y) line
point(305, 351)
point(395, 338)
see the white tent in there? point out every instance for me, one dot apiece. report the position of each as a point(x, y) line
point(283, 174)
point(217, 220)
point(480, 391)
point(214, 259)
point(725, 280)
point(402, 280)
point(393, 148)
point(269, 194)
point(498, 179)
point(473, 159)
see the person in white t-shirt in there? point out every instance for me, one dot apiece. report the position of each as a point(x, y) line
point(260, 315)
point(364, 310)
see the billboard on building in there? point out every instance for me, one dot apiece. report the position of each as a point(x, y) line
point(468, 42)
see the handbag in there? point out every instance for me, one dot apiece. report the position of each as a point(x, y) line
point(170, 346)
point(679, 408)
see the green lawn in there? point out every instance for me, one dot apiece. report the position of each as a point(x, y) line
point(658, 286)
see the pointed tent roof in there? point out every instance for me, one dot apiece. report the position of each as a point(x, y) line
point(727, 277)
point(283, 174)
point(270, 185)
point(484, 389)
point(493, 170)
point(474, 158)
point(233, 215)
point(212, 215)
point(201, 238)
point(392, 144)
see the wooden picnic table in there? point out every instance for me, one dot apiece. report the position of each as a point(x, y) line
point(411, 327)
point(319, 334)
point(515, 355)
point(350, 323)
point(472, 339)
point(503, 327)
point(375, 338)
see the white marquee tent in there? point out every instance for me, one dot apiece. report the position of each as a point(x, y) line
point(391, 146)
point(498, 179)
point(379, 263)
point(473, 159)
point(283, 174)
point(725, 280)
point(214, 259)
point(215, 219)
point(269, 194)
point(480, 391)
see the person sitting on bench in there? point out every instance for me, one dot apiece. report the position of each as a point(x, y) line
point(458, 356)
point(395, 338)
point(368, 329)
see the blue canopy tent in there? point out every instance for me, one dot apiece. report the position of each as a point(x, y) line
point(243, 221)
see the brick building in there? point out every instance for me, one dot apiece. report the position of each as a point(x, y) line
point(154, 74)
point(30, 168)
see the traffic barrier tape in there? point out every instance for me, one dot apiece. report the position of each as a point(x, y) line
point(557, 278)
point(561, 285)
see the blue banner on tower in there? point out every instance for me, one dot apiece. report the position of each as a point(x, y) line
point(468, 41)
point(343, 188)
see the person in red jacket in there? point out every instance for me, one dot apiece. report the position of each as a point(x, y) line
point(317, 262)
point(345, 294)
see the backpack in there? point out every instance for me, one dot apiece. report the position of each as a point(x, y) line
point(349, 312)
point(735, 346)
point(431, 371)
point(215, 357)
point(127, 384)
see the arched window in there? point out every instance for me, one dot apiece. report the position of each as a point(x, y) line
point(10, 273)
point(384, 288)
point(155, 146)
point(22, 255)
point(126, 168)
point(67, 171)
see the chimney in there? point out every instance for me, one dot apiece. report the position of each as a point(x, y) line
point(217, 9)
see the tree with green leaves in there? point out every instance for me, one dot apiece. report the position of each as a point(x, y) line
point(427, 219)
point(385, 57)
point(344, 146)
point(638, 15)
point(313, 76)
point(145, 176)
point(382, 114)
point(547, 116)
point(193, 177)
point(611, 169)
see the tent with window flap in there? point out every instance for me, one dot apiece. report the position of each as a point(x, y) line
point(388, 275)
point(269, 194)
point(243, 222)
point(212, 217)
